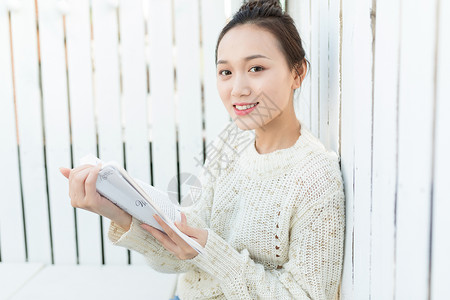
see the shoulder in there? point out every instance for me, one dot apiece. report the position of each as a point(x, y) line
point(320, 173)
point(323, 191)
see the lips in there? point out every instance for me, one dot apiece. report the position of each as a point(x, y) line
point(244, 108)
point(244, 103)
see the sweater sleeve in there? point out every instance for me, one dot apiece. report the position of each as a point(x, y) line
point(138, 239)
point(314, 263)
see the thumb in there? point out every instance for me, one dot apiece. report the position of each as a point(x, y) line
point(65, 172)
point(184, 227)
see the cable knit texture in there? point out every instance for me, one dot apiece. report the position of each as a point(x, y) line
point(275, 223)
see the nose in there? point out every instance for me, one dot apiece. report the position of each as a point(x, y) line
point(240, 87)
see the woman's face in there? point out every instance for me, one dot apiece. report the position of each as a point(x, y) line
point(243, 80)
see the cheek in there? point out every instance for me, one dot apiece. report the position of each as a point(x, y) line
point(223, 93)
point(278, 89)
point(282, 88)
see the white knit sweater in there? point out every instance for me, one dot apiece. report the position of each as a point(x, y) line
point(275, 223)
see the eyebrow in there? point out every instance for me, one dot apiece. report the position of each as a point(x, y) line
point(245, 58)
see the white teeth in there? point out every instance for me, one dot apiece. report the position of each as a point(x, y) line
point(244, 107)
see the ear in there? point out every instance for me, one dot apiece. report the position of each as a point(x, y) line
point(298, 74)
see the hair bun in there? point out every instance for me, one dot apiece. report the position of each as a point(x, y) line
point(272, 6)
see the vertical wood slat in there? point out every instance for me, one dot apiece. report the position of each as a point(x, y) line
point(300, 13)
point(83, 130)
point(416, 96)
point(189, 109)
point(322, 67)
point(348, 150)
point(441, 189)
point(26, 76)
point(107, 98)
point(314, 60)
point(137, 151)
point(363, 145)
point(334, 100)
point(213, 20)
point(56, 123)
point(12, 239)
point(384, 158)
point(162, 93)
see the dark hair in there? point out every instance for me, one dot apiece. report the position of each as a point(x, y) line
point(269, 15)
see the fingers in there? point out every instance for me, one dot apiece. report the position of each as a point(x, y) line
point(162, 238)
point(184, 251)
point(171, 241)
point(65, 172)
point(77, 180)
point(91, 180)
point(184, 227)
point(169, 231)
point(79, 168)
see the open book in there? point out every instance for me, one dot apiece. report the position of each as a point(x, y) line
point(137, 198)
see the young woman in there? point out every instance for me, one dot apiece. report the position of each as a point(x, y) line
point(271, 212)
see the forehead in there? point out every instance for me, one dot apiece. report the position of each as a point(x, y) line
point(245, 40)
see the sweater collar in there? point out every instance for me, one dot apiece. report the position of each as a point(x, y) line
point(278, 161)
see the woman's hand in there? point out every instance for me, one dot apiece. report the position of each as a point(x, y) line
point(175, 244)
point(83, 194)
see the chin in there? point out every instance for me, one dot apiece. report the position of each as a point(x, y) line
point(246, 123)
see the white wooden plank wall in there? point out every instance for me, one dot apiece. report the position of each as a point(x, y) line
point(135, 81)
point(188, 95)
point(386, 115)
point(302, 100)
point(82, 114)
point(440, 269)
point(107, 98)
point(213, 19)
point(134, 93)
point(362, 69)
point(347, 138)
point(385, 158)
point(56, 124)
point(315, 65)
point(12, 244)
point(416, 146)
point(28, 97)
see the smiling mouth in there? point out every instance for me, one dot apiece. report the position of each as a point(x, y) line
point(245, 107)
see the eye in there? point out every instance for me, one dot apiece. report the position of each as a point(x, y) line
point(220, 72)
point(257, 67)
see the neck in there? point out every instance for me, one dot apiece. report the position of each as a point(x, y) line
point(280, 133)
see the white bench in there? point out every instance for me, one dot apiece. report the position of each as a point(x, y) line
point(39, 281)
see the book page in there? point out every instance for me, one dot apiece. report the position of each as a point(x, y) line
point(161, 199)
